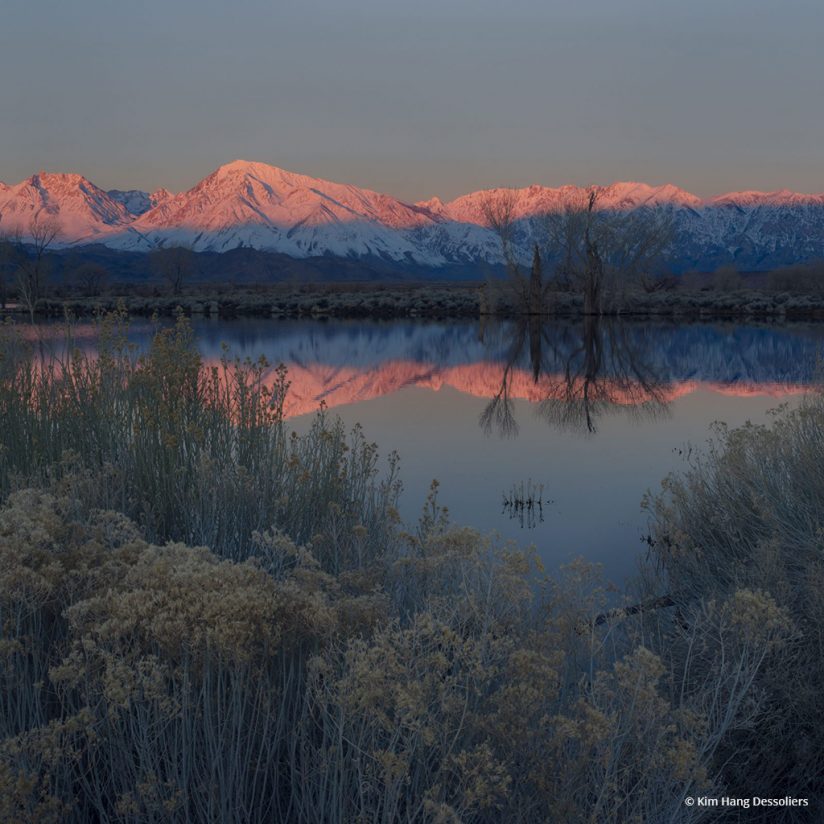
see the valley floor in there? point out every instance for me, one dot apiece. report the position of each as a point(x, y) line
point(432, 300)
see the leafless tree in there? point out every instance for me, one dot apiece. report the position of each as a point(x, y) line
point(90, 278)
point(597, 252)
point(727, 279)
point(593, 369)
point(31, 265)
point(601, 252)
point(175, 264)
point(9, 259)
point(499, 213)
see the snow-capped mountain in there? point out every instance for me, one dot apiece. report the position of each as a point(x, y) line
point(254, 205)
point(83, 212)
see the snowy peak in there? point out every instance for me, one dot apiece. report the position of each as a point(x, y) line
point(632, 195)
point(782, 197)
point(286, 198)
point(243, 203)
point(83, 212)
point(249, 204)
point(535, 200)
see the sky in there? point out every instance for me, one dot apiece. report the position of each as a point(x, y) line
point(435, 97)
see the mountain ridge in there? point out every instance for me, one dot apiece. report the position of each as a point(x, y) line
point(248, 204)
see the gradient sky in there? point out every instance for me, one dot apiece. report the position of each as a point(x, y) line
point(436, 97)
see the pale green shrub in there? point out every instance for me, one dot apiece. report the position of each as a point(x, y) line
point(195, 454)
point(311, 662)
point(749, 515)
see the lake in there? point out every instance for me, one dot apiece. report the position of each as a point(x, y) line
point(587, 415)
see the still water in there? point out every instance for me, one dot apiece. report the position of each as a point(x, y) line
point(588, 416)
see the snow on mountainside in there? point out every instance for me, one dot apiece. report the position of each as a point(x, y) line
point(252, 204)
point(247, 204)
point(138, 202)
point(84, 213)
point(536, 200)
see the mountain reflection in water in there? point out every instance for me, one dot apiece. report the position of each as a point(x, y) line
point(573, 373)
point(603, 411)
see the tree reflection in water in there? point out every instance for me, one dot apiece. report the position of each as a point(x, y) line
point(581, 372)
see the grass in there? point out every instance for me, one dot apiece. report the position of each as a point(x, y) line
point(204, 618)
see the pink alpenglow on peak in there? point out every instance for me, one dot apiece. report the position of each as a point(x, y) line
point(83, 212)
point(256, 205)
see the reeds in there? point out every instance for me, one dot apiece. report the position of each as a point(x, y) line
point(525, 503)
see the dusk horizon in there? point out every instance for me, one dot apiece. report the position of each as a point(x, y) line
point(437, 101)
point(536, 180)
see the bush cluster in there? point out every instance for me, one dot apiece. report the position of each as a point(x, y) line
point(204, 619)
point(749, 513)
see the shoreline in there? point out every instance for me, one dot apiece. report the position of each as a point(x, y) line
point(440, 301)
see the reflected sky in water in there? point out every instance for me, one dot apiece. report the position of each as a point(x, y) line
point(596, 412)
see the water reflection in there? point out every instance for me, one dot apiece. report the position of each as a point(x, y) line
point(581, 371)
point(421, 387)
point(573, 373)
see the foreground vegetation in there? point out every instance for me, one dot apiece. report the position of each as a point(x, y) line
point(204, 618)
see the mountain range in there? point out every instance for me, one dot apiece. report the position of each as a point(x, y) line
point(256, 206)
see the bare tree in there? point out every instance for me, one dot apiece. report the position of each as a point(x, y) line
point(9, 260)
point(597, 252)
point(499, 213)
point(31, 262)
point(175, 264)
point(498, 208)
point(600, 252)
point(90, 278)
point(727, 279)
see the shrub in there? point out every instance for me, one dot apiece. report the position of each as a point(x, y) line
point(164, 683)
point(749, 515)
point(315, 662)
point(803, 278)
point(193, 453)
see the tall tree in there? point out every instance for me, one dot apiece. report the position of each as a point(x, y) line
point(9, 254)
point(600, 252)
point(175, 264)
point(597, 252)
point(499, 212)
point(31, 262)
point(90, 278)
